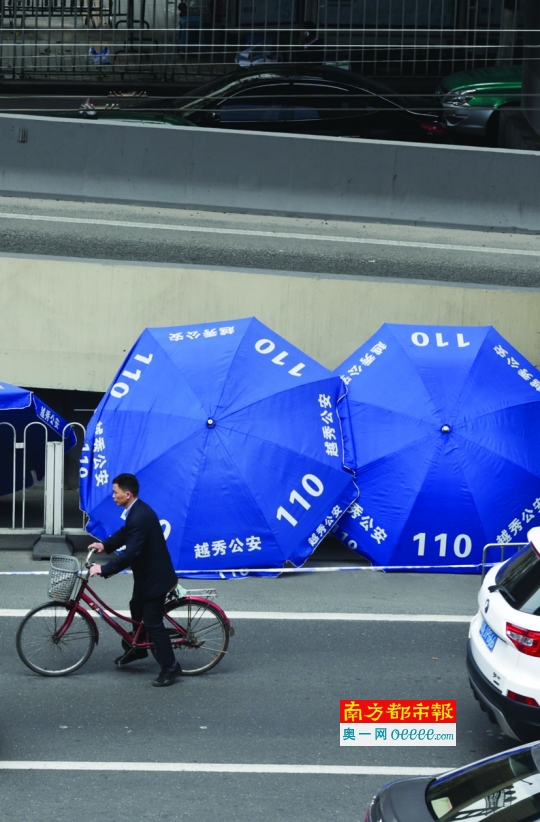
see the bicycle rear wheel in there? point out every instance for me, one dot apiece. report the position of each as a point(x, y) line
point(206, 637)
point(39, 648)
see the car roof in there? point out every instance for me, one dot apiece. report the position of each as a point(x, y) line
point(486, 77)
point(300, 72)
point(290, 71)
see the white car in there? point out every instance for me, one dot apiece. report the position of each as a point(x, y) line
point(503, 655)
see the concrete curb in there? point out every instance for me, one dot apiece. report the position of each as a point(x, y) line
point(293, 174)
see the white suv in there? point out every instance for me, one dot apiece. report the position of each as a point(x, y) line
point(503, 654)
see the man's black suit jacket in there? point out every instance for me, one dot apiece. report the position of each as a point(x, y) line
point(145, 553)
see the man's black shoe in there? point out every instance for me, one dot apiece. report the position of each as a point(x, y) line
point(167, 677)
point(131, 656)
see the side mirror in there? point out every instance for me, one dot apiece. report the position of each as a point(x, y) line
point(213, 118)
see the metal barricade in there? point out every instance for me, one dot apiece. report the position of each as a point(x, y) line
point(48, 501)
point(127, 40)
point(502, 546)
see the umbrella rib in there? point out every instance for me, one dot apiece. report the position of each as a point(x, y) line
point(428, 391)
point(225, 381)
point(276, 445)
point(531, 401)
point(406, 521)
point(392, 411)
point(177, 368)
point(390, 454)
point(276, 394)
point(170, 448)
point(466, 380)
point(500, 456)
point(204, 457)
point(254, 500)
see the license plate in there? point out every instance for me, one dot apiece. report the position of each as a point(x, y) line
point(489, 636)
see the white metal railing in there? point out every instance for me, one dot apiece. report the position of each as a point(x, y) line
point(502, 546)
point(50, 503)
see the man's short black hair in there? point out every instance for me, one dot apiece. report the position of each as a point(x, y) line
point(128, 482)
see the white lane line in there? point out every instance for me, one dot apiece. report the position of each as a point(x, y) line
point(282, 235)
point(325, 616)
point(24, 573)
point(299, 615)
point(210, 767)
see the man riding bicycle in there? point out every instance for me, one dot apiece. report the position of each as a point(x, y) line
point(153, 573)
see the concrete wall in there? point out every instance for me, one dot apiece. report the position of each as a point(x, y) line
point(68, 324)
point(270, 172)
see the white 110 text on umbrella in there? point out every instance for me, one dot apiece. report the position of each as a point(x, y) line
point(313, 486)
point(421, 339)
point(267, 346)
point(120, 389)
point(442, 539)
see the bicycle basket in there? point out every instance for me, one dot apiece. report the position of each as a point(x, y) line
point(62, 577)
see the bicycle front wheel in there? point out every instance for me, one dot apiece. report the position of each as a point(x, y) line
point(39, 647)
point(204, 639)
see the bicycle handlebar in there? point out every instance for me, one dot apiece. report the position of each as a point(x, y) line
point(87, 560)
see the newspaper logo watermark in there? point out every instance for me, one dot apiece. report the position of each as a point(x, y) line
point(390, 722)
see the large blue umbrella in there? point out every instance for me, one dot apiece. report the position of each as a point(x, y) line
point(236, 439)
point(19, 408)
point(446, 422)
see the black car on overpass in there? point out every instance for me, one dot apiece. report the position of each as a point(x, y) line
point(291, 98)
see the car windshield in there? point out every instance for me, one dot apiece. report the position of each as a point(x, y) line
point(218, 88)
point(519, 579)
point(506, 789)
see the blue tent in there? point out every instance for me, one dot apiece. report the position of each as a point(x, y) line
point(236, 439)
point(446, 422)
point(20, 408)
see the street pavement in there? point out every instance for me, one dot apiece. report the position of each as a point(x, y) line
point(274, 700)
point(345, 248)
point(302, 642)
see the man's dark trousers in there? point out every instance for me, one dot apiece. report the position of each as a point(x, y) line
point(153, 572)
point(150, 611)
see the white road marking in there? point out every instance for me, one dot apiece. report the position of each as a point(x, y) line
point(325, 616)
point(210, 767)
point(330, 569)
point(24, 573)
point(281, 235)
point(299, 615)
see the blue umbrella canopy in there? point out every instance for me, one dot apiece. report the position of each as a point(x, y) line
point(20, 413)
point(236, 439)
point(446, 422)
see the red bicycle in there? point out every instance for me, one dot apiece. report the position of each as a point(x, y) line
point(58, 637)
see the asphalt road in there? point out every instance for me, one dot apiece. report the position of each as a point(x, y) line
point(187, 237)
point(273, 700)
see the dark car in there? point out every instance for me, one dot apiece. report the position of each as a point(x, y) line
point(501, 788)
point(298, 99)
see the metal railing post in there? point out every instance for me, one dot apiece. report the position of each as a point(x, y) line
point(54, 490)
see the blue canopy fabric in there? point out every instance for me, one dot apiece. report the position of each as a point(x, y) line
point(235, 437)
point(446, 422)
point(19, 408)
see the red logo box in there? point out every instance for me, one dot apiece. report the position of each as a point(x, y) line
point(397, 710)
